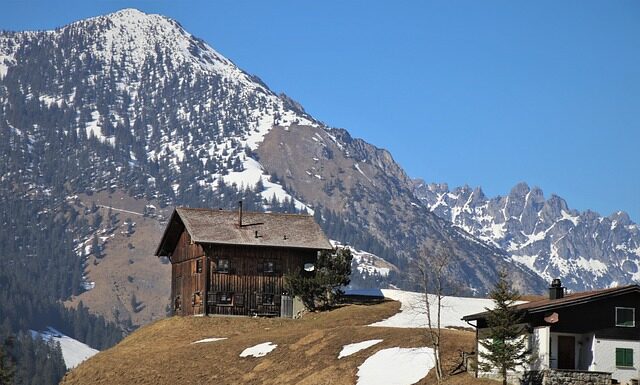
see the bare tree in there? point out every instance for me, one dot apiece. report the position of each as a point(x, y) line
point(432, 267)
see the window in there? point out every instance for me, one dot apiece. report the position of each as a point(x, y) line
point(624, 357)
point(177, 303)
point(269, 267)
point(268, 293)
point(268, 299)
point(625, 317)
point(225, 299)
point(223, 266)
point(198, 266)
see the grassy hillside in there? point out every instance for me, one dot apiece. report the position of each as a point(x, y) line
point(163, 353)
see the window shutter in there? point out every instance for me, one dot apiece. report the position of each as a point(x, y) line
point(624, 357)
point(619, 356)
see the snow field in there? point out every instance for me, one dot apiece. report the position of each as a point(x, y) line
point(413, 310)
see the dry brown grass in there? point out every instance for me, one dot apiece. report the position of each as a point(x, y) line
point(162, 353)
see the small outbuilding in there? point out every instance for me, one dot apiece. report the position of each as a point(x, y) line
point(234, 262)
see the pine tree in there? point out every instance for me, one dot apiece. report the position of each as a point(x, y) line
point(6, 367)
point(324, 288)
point(505, 345)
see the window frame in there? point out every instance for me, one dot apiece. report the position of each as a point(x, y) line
point(227, 270)
point(226, 294)
point(633, 317)
point(271, 263)
point(627, 359)
point(199, 265)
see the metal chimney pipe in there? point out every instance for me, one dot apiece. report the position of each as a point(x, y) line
point(556, 291)
point(240, 214)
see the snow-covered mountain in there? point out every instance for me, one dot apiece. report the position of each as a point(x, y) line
point(130, 76)
point(132, 102)
point(585, 249)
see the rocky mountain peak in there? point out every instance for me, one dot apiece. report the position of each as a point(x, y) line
point(520, 190)
point(585, 249)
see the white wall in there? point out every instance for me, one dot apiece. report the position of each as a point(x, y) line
point(604, 359)
point(541, 348)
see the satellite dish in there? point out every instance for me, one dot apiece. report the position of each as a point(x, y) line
point(309, 267)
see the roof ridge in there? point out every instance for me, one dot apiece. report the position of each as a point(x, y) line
point(243, 212)
point(568, 300)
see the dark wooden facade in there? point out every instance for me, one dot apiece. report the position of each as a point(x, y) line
point(229, 279)
point(249, 281)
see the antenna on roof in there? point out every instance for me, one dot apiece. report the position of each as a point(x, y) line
point(239, 213)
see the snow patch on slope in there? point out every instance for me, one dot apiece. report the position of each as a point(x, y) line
point(397, 366)
point(366, 262)
point(259, 350)
point(74, 352)
point(210, 339)
point(350, 349)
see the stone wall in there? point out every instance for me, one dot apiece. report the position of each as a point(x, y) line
point(566, 377)
point(553, 377)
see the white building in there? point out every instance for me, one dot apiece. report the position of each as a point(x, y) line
point(585, 336)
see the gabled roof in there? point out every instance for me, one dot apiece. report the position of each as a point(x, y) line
point(258, 229)
point(545, 305)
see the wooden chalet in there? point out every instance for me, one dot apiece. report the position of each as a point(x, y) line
point(233, 263)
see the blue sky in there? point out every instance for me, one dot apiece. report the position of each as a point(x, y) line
point(484, 93)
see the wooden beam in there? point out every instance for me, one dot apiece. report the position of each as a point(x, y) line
point(205, 271)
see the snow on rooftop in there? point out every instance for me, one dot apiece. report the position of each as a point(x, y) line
point(350, 349)
point(259, 350)
point(413, 310)
point(210, 339)
point(74, 352)
point(397, 366)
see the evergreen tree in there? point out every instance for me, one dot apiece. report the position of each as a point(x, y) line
point(323, 288)
point(6, 366)
point(505, 345)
